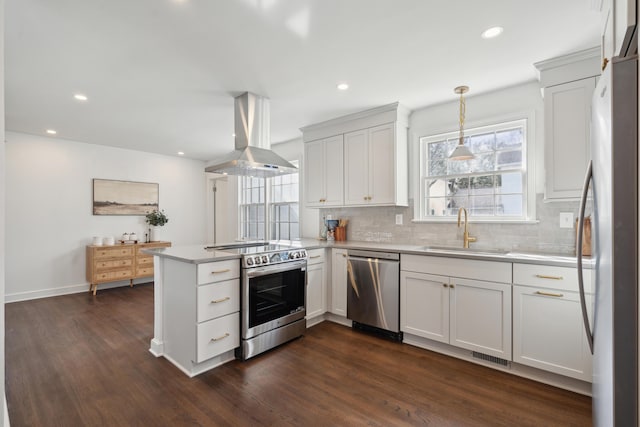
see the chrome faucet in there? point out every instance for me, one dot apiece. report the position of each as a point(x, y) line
point(466, 238)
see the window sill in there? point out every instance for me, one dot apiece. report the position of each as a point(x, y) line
point(476, 221)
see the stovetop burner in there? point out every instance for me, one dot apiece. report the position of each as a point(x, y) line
point(259, 254)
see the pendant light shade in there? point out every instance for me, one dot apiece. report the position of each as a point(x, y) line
point(461, 152)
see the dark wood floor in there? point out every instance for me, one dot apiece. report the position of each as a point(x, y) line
point(80, 360)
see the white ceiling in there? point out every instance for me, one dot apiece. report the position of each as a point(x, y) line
point(161, 74)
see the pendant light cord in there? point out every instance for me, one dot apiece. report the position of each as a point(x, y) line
point(463, 108)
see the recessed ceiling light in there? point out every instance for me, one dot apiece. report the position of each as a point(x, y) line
point(180, 153)
point(80, 97)
point(343, 86)
point(492, 32)
point(51, 132)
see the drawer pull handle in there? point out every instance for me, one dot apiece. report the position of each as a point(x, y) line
point(220, 338)
point(215, 301)
point(226, 270)
point(549, 294)
point(315, 256)
point(542, 276)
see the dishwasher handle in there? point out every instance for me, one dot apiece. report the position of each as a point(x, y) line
point(390, 256)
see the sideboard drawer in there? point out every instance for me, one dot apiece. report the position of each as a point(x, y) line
point(217, 336)
point(114, 252)
point(145, 260)
point(218, 271)
point(115, 263)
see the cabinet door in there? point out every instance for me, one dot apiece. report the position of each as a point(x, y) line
point(382, 174)
point(315, 290)
point(424, 305)
point(567, 110)
point(356, 165)
point(339, 282)
point(314, 166)
point(334, 171)
point(481, 316)
point(548, 331)
point(324, 172)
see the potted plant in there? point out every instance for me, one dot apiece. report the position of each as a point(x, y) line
point(155, 219)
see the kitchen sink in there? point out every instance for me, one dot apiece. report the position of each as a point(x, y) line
point(458, 250)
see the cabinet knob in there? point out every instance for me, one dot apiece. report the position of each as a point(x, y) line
point(444, 285)
point(451, 286)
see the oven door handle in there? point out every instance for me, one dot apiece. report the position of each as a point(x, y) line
point(277, 268)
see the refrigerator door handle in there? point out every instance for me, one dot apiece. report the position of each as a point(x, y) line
point(583, 303)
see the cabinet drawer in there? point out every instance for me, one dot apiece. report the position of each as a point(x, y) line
point(217, 336)
point(218, 271)
point(551, 277)
point(144, 271)
point(218, 299)
point(492, 271)
point(145, 260)
point(315, 256)
point(103, 265)
point(113, 252)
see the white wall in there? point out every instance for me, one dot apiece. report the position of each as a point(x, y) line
point(510, 103)
point(48, 208)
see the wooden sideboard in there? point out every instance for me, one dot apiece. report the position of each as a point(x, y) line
point(119, 262)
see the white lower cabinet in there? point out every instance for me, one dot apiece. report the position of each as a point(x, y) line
point(470, 314)
point(316, 284)
point(548, 331)
point(339, 282)
point(201, 313)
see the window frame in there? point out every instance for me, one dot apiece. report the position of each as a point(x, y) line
point(267, 204)
point(526, 121)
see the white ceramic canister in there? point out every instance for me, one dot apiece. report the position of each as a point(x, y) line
point(133, 237)
point(108, 241)
point(97, 241)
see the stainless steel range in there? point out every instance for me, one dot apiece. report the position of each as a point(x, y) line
point(273, 285)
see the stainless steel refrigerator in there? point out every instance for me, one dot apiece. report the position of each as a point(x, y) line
point(613, 174)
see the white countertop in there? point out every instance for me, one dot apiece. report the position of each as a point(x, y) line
point(197, 254)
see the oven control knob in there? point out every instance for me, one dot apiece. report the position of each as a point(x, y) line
point(296, 255)
point(291, 255)
point(249, 261)
point(265, 259)
point(257, 260)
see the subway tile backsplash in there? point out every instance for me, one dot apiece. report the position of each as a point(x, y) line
point(377, 224)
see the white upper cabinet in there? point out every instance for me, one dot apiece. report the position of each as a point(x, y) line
point(370, 168)
point(374, 159)
point(568, 83)
point(323, 172)
point(615, 18)
point(567, 115)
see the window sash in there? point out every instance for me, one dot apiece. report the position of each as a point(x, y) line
point(493, 196)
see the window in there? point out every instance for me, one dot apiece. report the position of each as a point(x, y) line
point(252, 208)
point(273, 201)
point(285, 209)
point(490, 186)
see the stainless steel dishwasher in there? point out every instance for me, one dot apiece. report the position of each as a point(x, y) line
point(373, 296)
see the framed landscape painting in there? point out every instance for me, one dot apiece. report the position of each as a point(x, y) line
point(112, 197)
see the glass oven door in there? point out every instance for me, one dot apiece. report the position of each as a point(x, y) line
point(273, 296)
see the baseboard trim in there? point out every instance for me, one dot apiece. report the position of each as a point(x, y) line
point(65, 290)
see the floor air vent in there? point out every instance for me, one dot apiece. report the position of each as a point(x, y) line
point(492, 359)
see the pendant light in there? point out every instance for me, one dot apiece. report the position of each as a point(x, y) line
point(461, 152)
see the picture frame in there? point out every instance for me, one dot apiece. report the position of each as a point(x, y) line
point(113, 197)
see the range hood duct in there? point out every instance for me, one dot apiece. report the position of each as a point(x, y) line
point(252, 156)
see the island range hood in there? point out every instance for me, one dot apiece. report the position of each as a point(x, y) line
point(252, 155)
